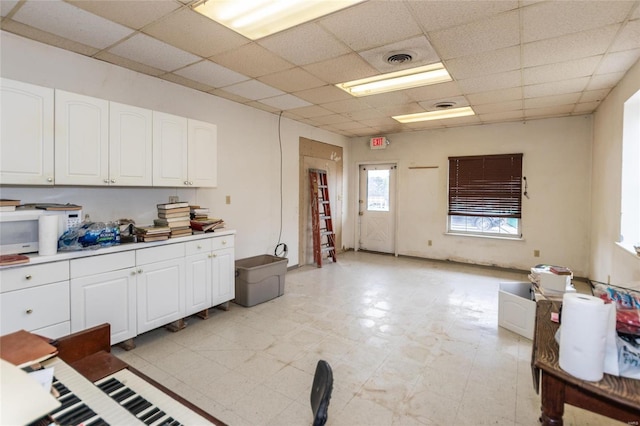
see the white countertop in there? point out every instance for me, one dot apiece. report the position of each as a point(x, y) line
point(35, 259)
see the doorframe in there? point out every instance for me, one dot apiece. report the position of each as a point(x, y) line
point(356, 230)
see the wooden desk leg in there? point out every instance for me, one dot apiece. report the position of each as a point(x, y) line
point(552, 400)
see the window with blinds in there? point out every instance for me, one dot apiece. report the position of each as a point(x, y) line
point(485, 194)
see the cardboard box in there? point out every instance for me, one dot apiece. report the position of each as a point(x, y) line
point(516, 309)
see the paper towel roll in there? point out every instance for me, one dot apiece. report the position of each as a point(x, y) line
point(47, 235)
point(583, 336)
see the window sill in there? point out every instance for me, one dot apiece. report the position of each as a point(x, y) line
point(628, 248)
point(490, 237)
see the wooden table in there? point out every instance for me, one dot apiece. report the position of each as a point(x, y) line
point(615, 397)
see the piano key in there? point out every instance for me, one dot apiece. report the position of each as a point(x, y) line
point(122, 395)
point(137, 405)
point(111, 386)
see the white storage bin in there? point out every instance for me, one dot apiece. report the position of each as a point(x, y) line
point(516, 309)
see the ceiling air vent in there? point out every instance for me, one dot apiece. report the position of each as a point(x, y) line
point(399, 58)
point(445, 105)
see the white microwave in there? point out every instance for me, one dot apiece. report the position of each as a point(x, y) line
point(19, 229)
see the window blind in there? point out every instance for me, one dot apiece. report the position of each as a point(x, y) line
point(486, 185)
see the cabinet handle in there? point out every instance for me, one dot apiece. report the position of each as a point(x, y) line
point(49, 179)
point(29, 311)
point(199, 247)
point(186, 182)
point(28, 277)
point(133, 272)
point(190, 183)
point(106, 181)
point(139, 271)
point(224, 242)
point(113, 181)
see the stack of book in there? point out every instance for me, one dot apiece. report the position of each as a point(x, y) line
point(176, 217)
point(206, 225)
point(8, 205)
point(199, 213)
point(152, 233)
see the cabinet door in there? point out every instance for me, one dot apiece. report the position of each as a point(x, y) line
point(223, 275)
point(203, 154)
point(170, 160)
point(26, 133)
point(161, 294)
point(198, 291)
point(108, 297)
point(130, 145)
point(81, 139)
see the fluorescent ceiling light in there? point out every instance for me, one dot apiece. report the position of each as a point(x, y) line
point(255, 19)
point(434, 115)
point(399, 80)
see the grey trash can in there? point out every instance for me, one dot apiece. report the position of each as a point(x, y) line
point(259, 279)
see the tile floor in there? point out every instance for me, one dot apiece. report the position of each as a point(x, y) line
point(410, 341)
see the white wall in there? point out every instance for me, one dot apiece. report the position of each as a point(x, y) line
point(609, 262)
point(248, 148)
point(556, 218)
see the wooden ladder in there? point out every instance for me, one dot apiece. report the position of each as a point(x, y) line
point(321, 221)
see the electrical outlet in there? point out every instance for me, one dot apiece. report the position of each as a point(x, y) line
point(429, 243)
point(536, 253)
point(174, 198)
point(228, 199)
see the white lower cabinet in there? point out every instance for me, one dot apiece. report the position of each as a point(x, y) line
point(103, 289)
point(210, 273)
point(161, 286)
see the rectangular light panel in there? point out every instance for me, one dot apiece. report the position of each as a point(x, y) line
point(434, 115)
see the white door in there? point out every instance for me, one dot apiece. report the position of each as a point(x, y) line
point(376, 206)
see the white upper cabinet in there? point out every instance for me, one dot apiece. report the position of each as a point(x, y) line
point(170, 147)
point(203, 154)
point(26, 138)
point(82, 139)
point(130, 145)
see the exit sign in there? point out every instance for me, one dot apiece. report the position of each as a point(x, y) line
point(378, 143)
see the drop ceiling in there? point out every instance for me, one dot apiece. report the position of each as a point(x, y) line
point(509, 60)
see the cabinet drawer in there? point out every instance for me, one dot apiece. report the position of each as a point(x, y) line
point(222, 242)
point(30, 276)
point(54, 331)
point(34, 308)
point(160, 253)
point(197, 247)
point(103, 263)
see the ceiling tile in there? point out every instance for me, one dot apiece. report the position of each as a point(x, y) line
point(195, 33)
point(498, 107)
point(264, 107)
point(131, 13)
point(68, 21)
point(47, 38)
point(292, 80)
point(6, 6)
point(365, 114)
point(127, 63)
point(324, 94)
point(501, 116)
point(434, 91)
point(418, 47)
point(332, 119)
point(348, 105)
point(392, 110)
point(231, 96)
point(493, 96)
point(493, 62)
point(386, 99)
point(561, 71)
point(484, 35)
point(618, 61)
point(491, 82)
point(546, 101)
point(435, 15)
point(604, 81)
point(573, 46)
point(341, 69)
point(461, 121)
point(149, 51)
point(556, 88)
point(312, 111)
point(556, 18)
point(284, 102)
point(305, 44)
point(553, 111)
point(458, 101)
point(629, 37)
point(594, 95)
point(254, 90)
point(252, 60)
point(392, 16)
point(586, 107)
point(186, 82)
point(211, 74)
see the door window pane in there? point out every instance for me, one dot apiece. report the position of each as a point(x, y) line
point(378, 190)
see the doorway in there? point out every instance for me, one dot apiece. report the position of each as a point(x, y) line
point(377, 208)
